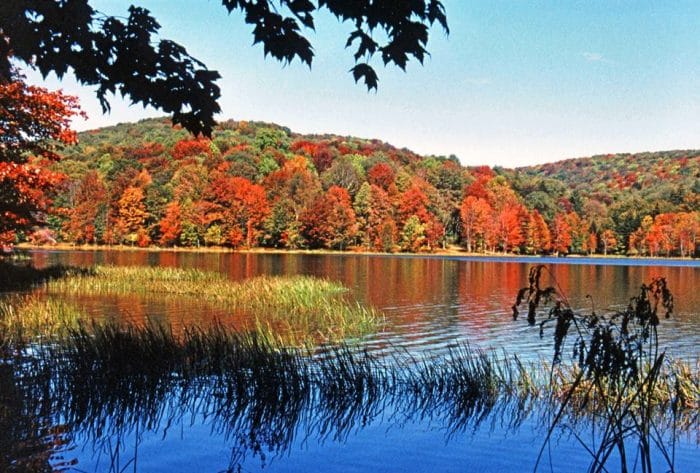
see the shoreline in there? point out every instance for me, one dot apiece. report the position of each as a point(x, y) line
point(453, 252)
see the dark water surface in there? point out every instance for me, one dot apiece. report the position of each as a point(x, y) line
point(430, 304)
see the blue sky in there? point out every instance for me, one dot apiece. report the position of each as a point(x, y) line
point(515, 82)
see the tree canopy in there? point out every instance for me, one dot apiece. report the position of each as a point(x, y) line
point(262, 185)
point(124, 55)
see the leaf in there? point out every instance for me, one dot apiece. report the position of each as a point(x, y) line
point(365, 71)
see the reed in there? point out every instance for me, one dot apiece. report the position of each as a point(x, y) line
point(295, 309)
point(25, 317)
point(619, 371)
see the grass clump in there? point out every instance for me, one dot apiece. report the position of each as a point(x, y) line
point(24, 317)
point(295, 310)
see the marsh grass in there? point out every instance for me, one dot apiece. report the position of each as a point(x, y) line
point(107, 380)
point(296, 310)
point(620, 373)
point(26, 317)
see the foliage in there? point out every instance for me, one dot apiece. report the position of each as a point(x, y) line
point(270, 187)
point(124, 55)
point(34, 122)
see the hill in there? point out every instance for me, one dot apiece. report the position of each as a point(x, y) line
point(260, 184)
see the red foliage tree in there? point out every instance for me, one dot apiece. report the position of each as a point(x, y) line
point(171, 224)
point(413, 202)
point(508, 227)
point(330, 221)
point(191, 147)
point(381, 175)
point(34, 123)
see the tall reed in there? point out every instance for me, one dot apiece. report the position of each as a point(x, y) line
point(621, 370)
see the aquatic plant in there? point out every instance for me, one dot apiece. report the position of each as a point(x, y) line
point(24, 317)
point(620, 369)
point(295, 309)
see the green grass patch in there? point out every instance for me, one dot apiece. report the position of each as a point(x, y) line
point(295, 310)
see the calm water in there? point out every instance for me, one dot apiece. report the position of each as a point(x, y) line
point(430, 303)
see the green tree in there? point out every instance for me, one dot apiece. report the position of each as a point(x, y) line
point(413, 235)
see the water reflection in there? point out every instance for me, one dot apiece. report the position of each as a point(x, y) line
point(283, 413)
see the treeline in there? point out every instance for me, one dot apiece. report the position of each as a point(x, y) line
point(260, 185)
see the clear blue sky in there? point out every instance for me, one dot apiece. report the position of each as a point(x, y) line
point(515, 82)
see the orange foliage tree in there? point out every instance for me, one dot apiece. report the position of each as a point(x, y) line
point(476, 214)
point(238, 207)
point(83, 218)
point(538, 238)
point(561, 234)
point(34, 123)
point(132, 216)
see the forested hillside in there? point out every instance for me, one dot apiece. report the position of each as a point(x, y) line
point(260, 185)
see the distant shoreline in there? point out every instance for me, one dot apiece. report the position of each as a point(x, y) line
point(452, 252)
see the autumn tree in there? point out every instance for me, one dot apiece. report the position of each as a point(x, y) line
point(295, 181)
point(382, 228)
point(171, 224)
point(281, 229)
point(34, 123)
point(237, 207)
point(608, 240)
point(578, 229)
point(538, 239)
point(413, 235)
point(86, 222)
point(132, 216)
point(561, 234)
point(508, 227)
point(330, 220)
point(686, 231)
point(592, 243)
point(476, 215)
point(381, 175)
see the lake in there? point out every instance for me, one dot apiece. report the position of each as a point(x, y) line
point(430, 304)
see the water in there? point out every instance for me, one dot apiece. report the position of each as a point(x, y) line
point(430, 303)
